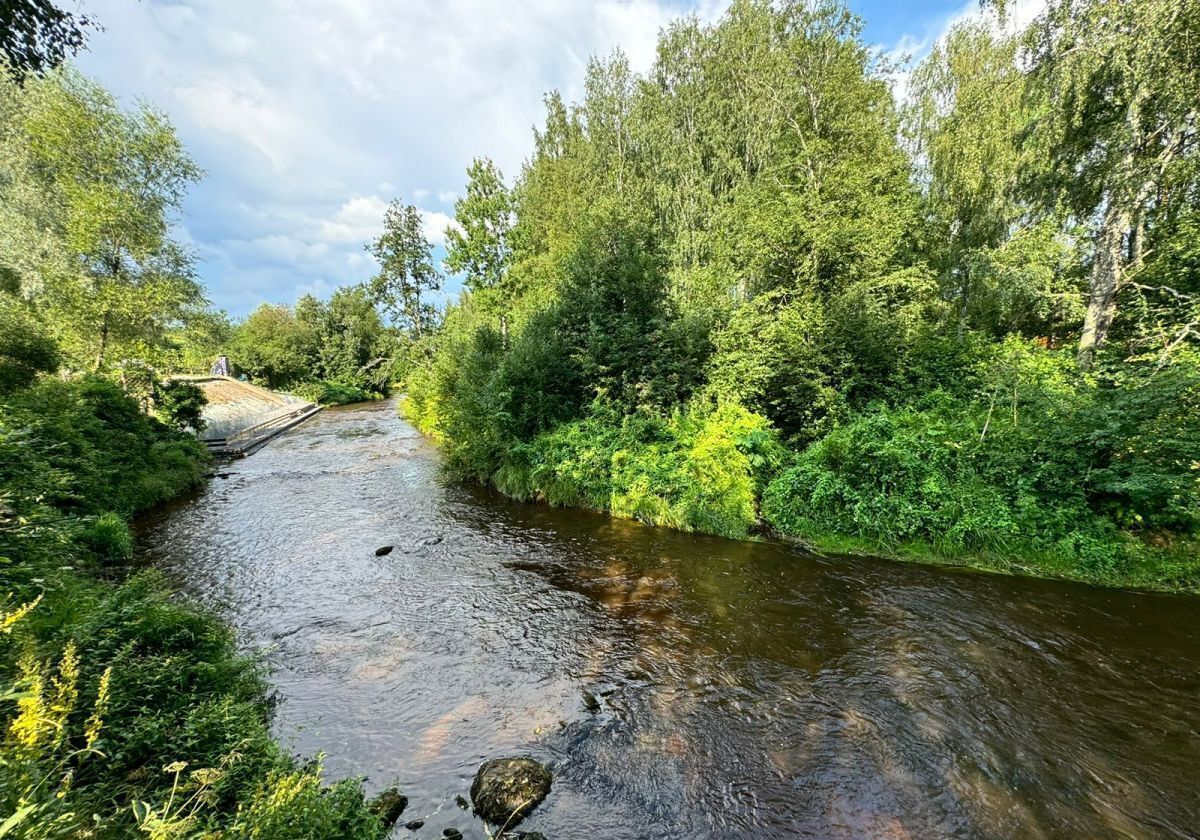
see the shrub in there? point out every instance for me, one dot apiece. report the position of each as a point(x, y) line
point(334, 393)
point(86, 447)
point(25, 349)
point(697, 470)
point(1044, 466)
point(180, 404)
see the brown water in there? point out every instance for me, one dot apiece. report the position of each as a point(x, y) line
point(740, 689)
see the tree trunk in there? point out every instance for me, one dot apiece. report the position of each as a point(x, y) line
point(1107, 270)
point(103, 345)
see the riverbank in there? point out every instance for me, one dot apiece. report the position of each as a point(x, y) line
point(724, 472)
point(1171, 570)
point(126, 710)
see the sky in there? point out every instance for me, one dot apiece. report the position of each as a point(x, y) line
point(308, 116)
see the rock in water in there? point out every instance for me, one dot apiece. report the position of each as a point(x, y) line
point(388, 806)
point(380, 552)
point(505, 790)
point(413, 825)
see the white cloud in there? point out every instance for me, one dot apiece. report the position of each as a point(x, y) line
point(434, 224)
point(309, 115)
point(358, 220)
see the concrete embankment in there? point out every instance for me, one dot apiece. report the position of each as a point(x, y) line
point(241, 417)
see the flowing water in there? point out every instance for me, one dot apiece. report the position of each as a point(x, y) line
point(680, 686)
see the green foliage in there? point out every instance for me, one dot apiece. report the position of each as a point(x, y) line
point(478, 245)
point(698, 470)
point(275, 347)
point(89, 196)
point(406, 270)
point(294, 805)
point(25, 349)
point(36, 35)
point(1031, 469)
point(324, 392)
point(179, 404)
point(86, 447)
point(333, 351)
point(107, 537)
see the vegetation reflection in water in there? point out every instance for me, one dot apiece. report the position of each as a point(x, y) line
point(680, 684)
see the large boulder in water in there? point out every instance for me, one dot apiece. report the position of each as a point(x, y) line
point(505, 790)
point(388, 806)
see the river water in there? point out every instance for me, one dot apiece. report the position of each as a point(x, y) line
point(680, 686)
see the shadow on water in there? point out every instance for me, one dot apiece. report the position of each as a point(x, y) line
point(680, 685)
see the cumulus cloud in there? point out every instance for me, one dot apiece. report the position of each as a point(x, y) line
point(357, 220)
point(434, 224)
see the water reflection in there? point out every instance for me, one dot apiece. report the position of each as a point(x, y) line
point(681, 686)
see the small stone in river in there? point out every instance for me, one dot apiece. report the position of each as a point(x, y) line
point(413, 825)
point(505, 790)
point(531, 835)
point(388, 806)
point(380, 552)
point(462, 802)
point(590, 702)
point(452, 834)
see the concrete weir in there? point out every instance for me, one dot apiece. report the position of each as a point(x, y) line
point(242, 418)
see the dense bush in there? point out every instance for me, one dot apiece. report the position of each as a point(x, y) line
point(1045, 464)
point(333, 393)
point(86, 447)
point(700, 469)
point(180, 404)
point(25, 349)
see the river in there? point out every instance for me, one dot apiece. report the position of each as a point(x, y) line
point(680, 686)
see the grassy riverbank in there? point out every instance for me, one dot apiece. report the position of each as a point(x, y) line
point(126, 711)
point(1076, 477)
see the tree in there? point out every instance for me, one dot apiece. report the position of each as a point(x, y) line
point(36, 35)
point(963, 121)
point(820, 193)
point(111, 183)
point(1119, 81)
point(478, 246)
point(406, 269)
point(275, 347)
point(352, 340)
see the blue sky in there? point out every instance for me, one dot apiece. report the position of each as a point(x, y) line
point(309, 115)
